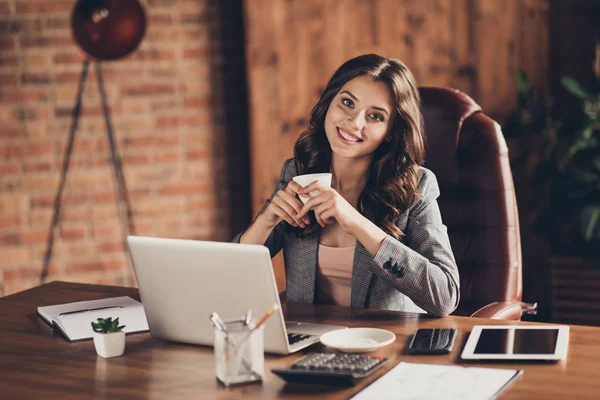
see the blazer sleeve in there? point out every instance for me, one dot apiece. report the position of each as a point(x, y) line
point(424, 268)
point(275, 240)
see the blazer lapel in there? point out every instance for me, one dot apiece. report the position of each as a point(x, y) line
point(301, 279)
point(361, 276)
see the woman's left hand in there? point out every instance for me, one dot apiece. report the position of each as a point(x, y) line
point(329, 206)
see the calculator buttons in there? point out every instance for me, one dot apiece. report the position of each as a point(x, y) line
point(331, 368)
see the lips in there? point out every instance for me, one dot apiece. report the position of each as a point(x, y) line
point(347, 136)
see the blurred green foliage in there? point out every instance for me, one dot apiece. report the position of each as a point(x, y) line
point(559, 159)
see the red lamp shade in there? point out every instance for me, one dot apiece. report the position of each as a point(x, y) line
point(108, 29)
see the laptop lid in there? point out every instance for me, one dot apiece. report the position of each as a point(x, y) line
point(182, 282)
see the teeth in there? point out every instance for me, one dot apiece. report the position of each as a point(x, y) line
point(346, 136)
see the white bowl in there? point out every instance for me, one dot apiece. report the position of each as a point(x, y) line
point(355, 340)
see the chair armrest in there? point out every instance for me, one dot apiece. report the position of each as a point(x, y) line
point(501, 310)
point(283, 296)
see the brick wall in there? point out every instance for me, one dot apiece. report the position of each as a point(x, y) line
point(178, 106)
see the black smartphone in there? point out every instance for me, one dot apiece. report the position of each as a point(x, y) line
point(432, 341)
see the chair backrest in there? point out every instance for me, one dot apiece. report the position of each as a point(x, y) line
point(467, 152)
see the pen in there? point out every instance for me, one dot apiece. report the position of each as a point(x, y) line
point(248, 317)
point(89, 309)
point(220, 325)
point(260, 322)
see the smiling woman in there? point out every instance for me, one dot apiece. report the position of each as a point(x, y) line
point(375, 238)
point(356, 107)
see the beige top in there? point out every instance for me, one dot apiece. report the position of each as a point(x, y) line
point(334, 275)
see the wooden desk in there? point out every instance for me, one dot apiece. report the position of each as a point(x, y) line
point(36, 363)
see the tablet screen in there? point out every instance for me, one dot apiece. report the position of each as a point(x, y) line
point(517, 341)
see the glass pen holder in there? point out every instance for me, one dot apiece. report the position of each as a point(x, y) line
point(239, 354)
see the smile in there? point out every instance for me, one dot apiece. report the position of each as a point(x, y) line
point(346, 136)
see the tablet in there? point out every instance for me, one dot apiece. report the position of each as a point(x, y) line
point(512, 342)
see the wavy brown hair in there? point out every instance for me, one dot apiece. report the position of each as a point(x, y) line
point(393, 176)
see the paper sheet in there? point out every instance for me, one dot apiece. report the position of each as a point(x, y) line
point(427, 381)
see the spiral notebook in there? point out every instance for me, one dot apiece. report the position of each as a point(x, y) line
point(74, 320)
point(428, 381)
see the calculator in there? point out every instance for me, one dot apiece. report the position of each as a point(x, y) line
point(331, 368)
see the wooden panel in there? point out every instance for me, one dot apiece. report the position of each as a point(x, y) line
point(494, 51)
point(575, 291)
point(533, 44)
point(36, 363)
point(265, 116)
point(294, 46)
point(576, 28)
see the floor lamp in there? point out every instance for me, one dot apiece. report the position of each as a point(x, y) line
point(105, 30)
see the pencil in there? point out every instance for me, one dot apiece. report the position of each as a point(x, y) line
point(260, 322)
point(264, 318)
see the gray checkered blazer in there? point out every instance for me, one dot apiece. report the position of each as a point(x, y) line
point(417, 274)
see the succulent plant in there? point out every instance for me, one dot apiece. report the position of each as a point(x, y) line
point(107, 325)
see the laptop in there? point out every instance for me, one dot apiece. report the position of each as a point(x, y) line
point(182, 282)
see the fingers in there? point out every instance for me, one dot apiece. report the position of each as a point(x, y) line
point(281, 213)
point(297, 206)
point(316, 185)
point(289, 194)
point(293, 188)
point(314, 202)
point(328, 216)
point(319, 220)
point(292, 200)
point(324, 211)
point(307, 207)
point(289, 205)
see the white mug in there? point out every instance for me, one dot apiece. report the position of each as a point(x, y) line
point(305, 180)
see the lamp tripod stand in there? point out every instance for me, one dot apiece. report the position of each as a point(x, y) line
point(125, 215)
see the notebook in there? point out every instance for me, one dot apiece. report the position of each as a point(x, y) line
point(427, 381)
point(74, 320)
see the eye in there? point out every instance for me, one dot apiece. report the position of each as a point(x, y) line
point(376, 117)
point(348, 103)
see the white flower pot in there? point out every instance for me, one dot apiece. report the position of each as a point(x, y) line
point(109, 344)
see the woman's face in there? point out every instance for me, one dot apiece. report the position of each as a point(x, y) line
point(359, 117)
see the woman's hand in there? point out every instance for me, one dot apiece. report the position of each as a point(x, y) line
point(329, 206)
point(285, 206)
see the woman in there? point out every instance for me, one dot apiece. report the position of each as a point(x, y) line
point(375, 238)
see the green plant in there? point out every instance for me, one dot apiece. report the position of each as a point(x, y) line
point(559, 162)
point(107, 325)
point(580, 179)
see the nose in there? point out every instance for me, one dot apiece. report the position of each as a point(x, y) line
point(356, 120)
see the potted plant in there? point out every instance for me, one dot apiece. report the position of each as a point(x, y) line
point(556, 163)
point(109, 339)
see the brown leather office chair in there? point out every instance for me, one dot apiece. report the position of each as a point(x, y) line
point(468, 154)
